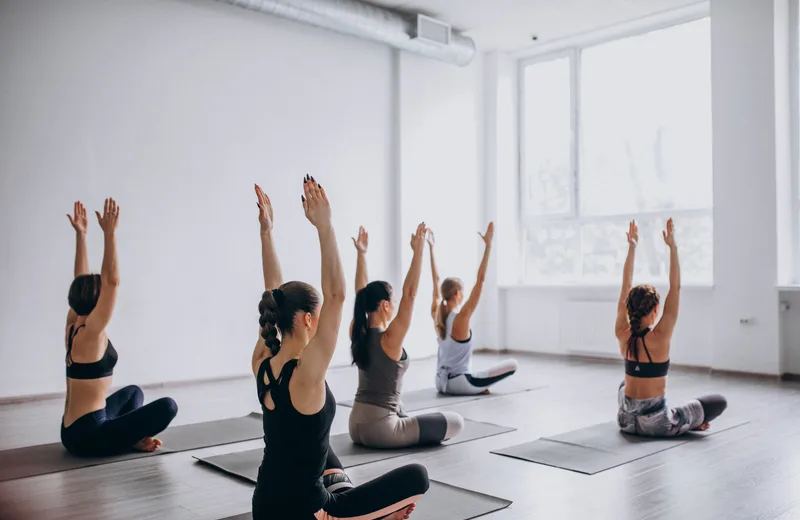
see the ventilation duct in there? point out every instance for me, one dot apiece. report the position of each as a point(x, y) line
point(370, 22)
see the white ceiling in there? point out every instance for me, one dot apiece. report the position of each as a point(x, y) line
point(509, 24)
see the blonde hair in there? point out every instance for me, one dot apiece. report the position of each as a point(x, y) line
point(450, 287)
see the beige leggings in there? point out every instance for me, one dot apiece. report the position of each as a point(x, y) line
point(377, 427)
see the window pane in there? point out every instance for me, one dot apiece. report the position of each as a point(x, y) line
point(605, 247)
point(552, 252)
point(548, 137)
point(645, 123)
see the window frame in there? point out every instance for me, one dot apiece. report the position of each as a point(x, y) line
point(794, 135)
point(574, 53)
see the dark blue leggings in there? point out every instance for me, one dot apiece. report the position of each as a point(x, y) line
point(121, 424)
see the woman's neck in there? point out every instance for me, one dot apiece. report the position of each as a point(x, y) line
point(374, 321)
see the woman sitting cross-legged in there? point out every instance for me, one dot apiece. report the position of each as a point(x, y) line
point(377, 419)
point(643, 407)
point(95, 423)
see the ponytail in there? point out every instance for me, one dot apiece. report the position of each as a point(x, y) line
point(368, 300)
point(450, 288)
point(359, 333)
point(278, 307)
point(641, 301)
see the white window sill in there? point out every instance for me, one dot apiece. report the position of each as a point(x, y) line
point(590, 286)
point(789, 288)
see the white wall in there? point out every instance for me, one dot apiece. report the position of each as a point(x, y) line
point(750, 167)
point(176, 108)
point(440, 174)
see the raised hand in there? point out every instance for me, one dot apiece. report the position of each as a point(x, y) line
point(418, 239)
point(431, 238)
point(362, 242)
point(108, 220)
point(633, 234)
point(265, 213)
point(489, 235)
point(669, 234)
point(78, 219)
point(315, 203)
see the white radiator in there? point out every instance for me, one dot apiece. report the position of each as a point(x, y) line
point(587, 328)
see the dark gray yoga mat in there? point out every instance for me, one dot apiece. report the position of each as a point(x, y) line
point(444, 502)
point(244, 464)
point(602, 446)
point(430, 398)
point(52, 458)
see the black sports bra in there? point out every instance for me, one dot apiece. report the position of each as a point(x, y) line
point(99, 369)
point(641, 369)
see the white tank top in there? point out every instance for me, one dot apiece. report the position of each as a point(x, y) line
point(454, 357)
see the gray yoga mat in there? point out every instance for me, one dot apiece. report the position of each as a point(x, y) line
point(52, 458)
point(602, 446)
point(430, 398)
point(444, 502)
point(244, 464)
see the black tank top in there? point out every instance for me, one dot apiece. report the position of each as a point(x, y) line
point(99, 369)
point(635, 368)
point(289, 481)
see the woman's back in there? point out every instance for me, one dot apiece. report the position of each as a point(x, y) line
point(650, 351)
point(380, 382)
point(454, 356)
point(295, 443)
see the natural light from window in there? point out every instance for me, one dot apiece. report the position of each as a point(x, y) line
point(640, 113)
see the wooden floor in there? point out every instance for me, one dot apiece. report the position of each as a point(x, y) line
point(750, 472)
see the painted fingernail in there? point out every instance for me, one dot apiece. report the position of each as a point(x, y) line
point(302, 198)
point(313, 179)
point(320, 186)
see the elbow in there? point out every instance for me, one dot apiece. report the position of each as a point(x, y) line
point(336, 295)
point(113, 281)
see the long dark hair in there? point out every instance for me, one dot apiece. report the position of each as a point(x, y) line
point(278, 307)
point(84, 293)
point(641, 301)
point(368, 300)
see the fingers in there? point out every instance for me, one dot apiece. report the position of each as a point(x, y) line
point(99, 218)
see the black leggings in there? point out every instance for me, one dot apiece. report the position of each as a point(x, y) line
point(377, 498)
point(121, 424)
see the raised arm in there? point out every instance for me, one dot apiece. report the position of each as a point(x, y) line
point(627, 279)
point(80, 224)
point(361, 243)
point(269, 258)
point(270, 265)
point(437, 283)
point(392, 341)
point(98, 319)
point(671, 303)
point(461, 326)
point(319, 351)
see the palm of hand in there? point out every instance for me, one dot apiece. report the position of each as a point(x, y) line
point(265, 212)
point(79, 220)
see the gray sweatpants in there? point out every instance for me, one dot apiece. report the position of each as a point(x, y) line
point(378, 427)
point(653, 418)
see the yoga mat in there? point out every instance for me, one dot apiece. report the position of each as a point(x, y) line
point(602, 446)
point(444, 502)
point(430, 398)
point(244, 464)
point(52, 458)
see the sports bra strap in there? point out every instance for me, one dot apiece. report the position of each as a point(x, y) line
point(72, 332)
point(266, 368)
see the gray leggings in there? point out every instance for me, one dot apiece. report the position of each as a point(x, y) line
point(377, 427)
point(475, 383)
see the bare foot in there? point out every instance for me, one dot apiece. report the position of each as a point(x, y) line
point(703, 427)
point(147, 444)
point(402, 514)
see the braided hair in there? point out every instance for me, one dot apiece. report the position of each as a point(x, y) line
point(641, 301)
point(278, 307)
point(368, 300)
point(450, 287)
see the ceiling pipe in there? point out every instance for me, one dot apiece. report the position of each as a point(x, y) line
point(367, 21)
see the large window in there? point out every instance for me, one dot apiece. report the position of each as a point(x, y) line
point(614, 132)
